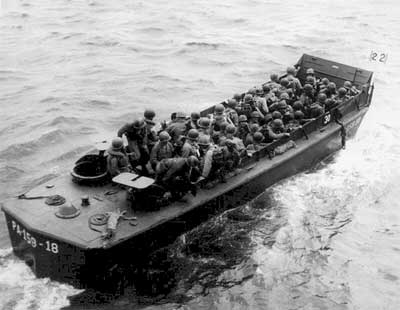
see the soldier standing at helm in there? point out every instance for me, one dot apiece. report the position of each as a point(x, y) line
point(137, 150)
point(117, 161)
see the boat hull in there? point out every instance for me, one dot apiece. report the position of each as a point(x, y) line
point(108, 268)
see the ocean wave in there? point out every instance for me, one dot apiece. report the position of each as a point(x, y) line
point(100, 42)
point(17, 151)
point(98, 103)
point(204, 45)
point(22, 290)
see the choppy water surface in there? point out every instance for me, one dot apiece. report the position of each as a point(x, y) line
point(71, 72)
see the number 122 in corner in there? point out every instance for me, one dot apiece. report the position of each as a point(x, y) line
point(380, 57)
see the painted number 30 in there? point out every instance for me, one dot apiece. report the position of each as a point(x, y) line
point(380, 57)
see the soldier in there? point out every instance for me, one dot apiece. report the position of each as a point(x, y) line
point(174, 174)
point(261, 106)
point(255, 117)
point(219, 115)
point(249, 138)
point(204, 126)
point(149, 115)
point(330, 91)
point(206, 155)
point(257, 144)
point(273, 82)
point(308, 96)
point(231, 112)
point(190, 147)
point(277, 130)
point(284, 86)
point(151, 135)
point(269, 95)
point(117, 161)
point(295, 84)
point(137, 150)
point(232, 156)
point(315, 110)
point(297, 106)
point(243, 128)
point(192, 123)
point(276, 115)
point(178, 127)
point(238, 98)
point(322, 84)
point(330, 104)
point(341, 96)
point(161, 150)
point(230, 135)
point(321, 99)
point(310, 77)
point(351, 90)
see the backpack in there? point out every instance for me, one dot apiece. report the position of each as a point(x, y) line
point(218, 157)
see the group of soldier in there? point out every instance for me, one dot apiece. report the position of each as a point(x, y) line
point(188, 149)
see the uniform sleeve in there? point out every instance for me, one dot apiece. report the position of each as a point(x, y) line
point(113, 167)
point(153, 154)
point(123, 130)
point(186, 151)
point(207, 164)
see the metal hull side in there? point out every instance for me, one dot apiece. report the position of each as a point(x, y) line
point(94, 268)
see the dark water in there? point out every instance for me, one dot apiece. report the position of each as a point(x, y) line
point(71, 72)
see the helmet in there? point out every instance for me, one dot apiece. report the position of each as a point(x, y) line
point(347, 84)
point(273, 77)
point(219, 108)
point(322, 97)
point(342, 91)
point(259, 90)
point(276, 115)
point(297, 106)
point(193, 161)
point(232, 103)
point(288, 116)
point(248, 97)
point(266, 88)
point(117, 143)
point(332, 85)
point(308, 87)
point(252, 91)
point(277, 123)
point(268, 117)
point(255, 114)
point(284, 96)
point(285, 82)
point(230, 129)
point(164, 136)
point(138, 123)
point(242, 118)
point(325, 81)
point(254, 128)
point(193, 134)
point(310, 80)
point(237, 97)
point(195, 116)
point(204, 122)
point(180, 115)
point(291, 70)
point(310, 71)
point(282, 105)
point(149, 114)
point(204, 140)
point(298, 115)
point(223, 126)
point(258, 137)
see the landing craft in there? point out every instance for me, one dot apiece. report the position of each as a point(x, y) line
point(67, 244)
